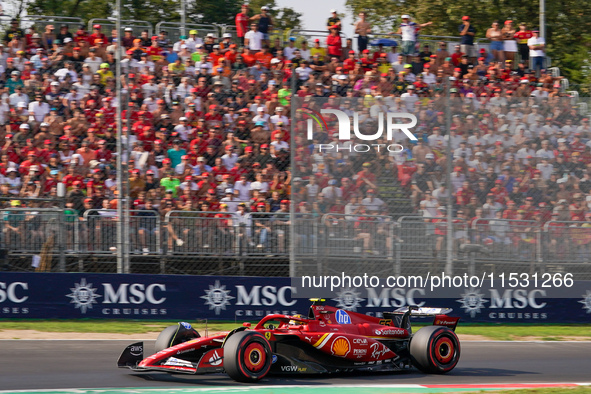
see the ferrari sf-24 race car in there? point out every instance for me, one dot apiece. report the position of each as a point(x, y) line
point(328, 340)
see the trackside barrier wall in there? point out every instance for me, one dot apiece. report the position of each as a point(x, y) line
point(239, 298)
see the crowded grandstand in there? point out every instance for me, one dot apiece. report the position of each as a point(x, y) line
point(217, 155)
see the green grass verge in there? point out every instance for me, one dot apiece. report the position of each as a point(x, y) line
point(507, 332)
point(107, 326)
point(511, 332)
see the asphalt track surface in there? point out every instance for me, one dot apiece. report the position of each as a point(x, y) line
point(92, 364)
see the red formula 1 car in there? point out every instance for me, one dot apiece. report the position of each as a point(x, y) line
point(329, 340)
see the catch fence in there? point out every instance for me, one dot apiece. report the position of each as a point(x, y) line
point(196, 242)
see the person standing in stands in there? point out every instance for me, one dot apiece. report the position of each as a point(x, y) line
point(362, 29)
point(334, 21)
point(522, 36)
point(537, 52)
point(265, 23)
point(509, 43)
point(467, 31)
point(334, 43)
point(254, 39)
point(242, 23)
point(409, 31)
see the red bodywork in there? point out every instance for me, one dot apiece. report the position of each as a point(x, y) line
point(354, 337)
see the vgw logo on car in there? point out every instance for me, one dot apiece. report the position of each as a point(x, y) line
point(344, 127)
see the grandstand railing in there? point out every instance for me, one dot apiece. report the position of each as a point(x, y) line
point(309, 35)
point(174, 29)
point(329, 243)
point(40, 21)
point(97, 232)
point(566, 242)
point(274, 33)
point(136, 25)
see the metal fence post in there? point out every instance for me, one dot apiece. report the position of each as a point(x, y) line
point(61, 240)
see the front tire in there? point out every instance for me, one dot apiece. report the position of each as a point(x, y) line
point(435, 349)
point(247, 356)
point(165, 338)
point(173, 335)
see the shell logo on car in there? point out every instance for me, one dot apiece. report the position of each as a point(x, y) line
point(341, 347)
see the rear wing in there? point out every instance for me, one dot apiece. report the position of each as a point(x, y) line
point(440, 317)
point(420, 311)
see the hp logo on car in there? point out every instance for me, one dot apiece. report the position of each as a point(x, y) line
point(342, 317)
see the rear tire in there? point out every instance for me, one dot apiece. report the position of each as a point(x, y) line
point(247, 356)
point(435, 349)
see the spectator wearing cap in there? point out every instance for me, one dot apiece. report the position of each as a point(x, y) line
point(362, 29)
point(290, 50)
point(264, 22)
point(468, 31)
point(97, 36)
point(332, 192)
point(334, 22)
point(537, 51)
point(334, 43)
point(241, 21)
point(279, 117)
point(14, 82)
point(128, 38)
point(409, 31)
point(226, 43)
point(319, 50)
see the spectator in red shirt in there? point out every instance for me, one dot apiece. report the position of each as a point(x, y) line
point(456, 57)
point(334, 43)
point(241, 20)
point(97, 35)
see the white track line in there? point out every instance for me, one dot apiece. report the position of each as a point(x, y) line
point(149, 339)
point(477, 387)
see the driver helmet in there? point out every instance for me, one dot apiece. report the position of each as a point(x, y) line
point(296, 322)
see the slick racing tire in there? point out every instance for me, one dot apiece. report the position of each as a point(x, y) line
point(173, 335)
point(165, 338)
point(247, 356)
point(435, 349)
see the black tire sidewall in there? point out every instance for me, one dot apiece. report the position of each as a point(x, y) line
point(422, 349)
point(165, 338)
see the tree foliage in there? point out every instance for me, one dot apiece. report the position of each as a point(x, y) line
point(213, 11)
point(154, 11)
point(568, 23)
point(285, 18)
